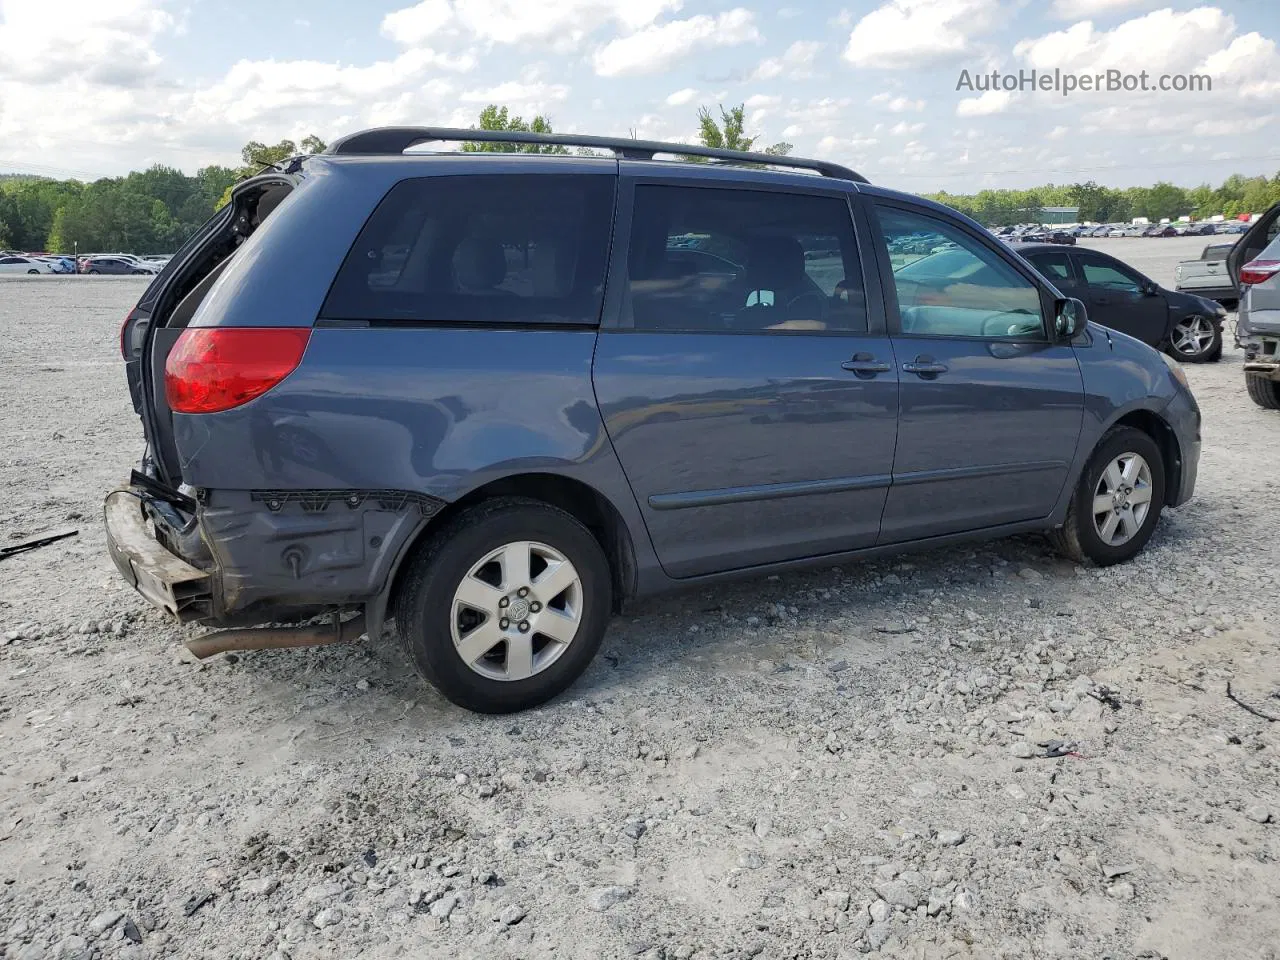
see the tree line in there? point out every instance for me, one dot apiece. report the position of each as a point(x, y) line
point(148, 211)
point(1235, 195)
point(155, 210)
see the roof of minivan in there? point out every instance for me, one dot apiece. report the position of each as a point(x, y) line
point(390, 167)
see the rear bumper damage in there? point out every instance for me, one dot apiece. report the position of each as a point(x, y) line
point(161, 576)
point(251, 557)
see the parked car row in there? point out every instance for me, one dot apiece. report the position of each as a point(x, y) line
point(95, 263)
point(1033, 233)
point(22, 263)
point(121, 263)
point(1029, 233)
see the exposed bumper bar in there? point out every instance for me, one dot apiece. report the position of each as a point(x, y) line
point(165, 579)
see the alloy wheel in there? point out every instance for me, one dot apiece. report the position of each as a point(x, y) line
point(1122, 499)
point(1193, 336)
point(516, 611)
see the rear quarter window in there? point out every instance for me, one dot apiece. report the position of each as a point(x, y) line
point(501, 249)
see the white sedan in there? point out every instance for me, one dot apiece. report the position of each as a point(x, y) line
point(16, 264)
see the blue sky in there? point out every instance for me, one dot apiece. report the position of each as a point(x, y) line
point(111, 85)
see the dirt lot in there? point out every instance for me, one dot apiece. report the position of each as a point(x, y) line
point(817, 765)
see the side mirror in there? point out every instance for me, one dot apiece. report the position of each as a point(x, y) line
point(1150, 288)
point(1069, 318)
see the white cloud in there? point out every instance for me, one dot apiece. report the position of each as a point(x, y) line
point(849, 150)
point(1250, 65)
point(657, 47)
point(517, 94)
point(911, 33)
point(902, 128)
point(111, 43)
point(993, 101)
point(1058, 133)
point(682, 97)
point(254, 90)
point(1079, 9)
point(563, 24)
point(415, 24)
point(897, 104)
point(796, 63)
point(1162, 41)
point(759, 100)
point(826, 115)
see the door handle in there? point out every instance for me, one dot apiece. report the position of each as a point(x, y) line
point(865, 366)
point(924, 367)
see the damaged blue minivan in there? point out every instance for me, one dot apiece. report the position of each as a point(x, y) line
point(495, 396)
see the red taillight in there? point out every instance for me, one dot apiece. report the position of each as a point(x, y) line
point(217, 368)
point(1259, 271)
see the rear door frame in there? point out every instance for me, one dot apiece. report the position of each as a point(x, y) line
point(1076, 280)
point(629, 178)
point(634, 174)
point(1123, 267)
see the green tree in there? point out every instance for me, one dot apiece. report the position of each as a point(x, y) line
point(729, 132)
point(256, 156)
point(499, 119)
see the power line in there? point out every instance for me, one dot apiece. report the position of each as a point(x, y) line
point(21, 166)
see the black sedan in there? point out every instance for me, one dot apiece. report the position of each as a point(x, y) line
point(1119, 297)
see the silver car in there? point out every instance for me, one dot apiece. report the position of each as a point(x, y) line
point(1255, 265)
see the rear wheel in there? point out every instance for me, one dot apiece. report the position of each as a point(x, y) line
point(1196, 339)
point(1265, 393)
point(95, 272)
point(29, 272)
point(506, 606)
point(1118, 501)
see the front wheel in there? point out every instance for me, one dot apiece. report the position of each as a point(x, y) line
point(506, 605)
point(1118, 501)
point(30, 272)
point(1265, 393)
point(1196, 339)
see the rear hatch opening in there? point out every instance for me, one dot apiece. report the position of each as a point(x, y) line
point(167, 307)
point(148, 336)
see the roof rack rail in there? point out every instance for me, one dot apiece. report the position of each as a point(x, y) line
point(393, 140)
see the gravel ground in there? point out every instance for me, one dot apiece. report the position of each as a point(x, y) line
point(816, 765)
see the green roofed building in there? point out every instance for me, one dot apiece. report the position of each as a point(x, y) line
point(1060, 215)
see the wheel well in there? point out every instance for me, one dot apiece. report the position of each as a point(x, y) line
point(586, 504)
point(1164, 437)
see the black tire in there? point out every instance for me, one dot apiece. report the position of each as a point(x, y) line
point(93, 272)
point(33, 273)
point(424, 601)
point(1078, 539)
point(1265, 393)
point(1210, 354)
